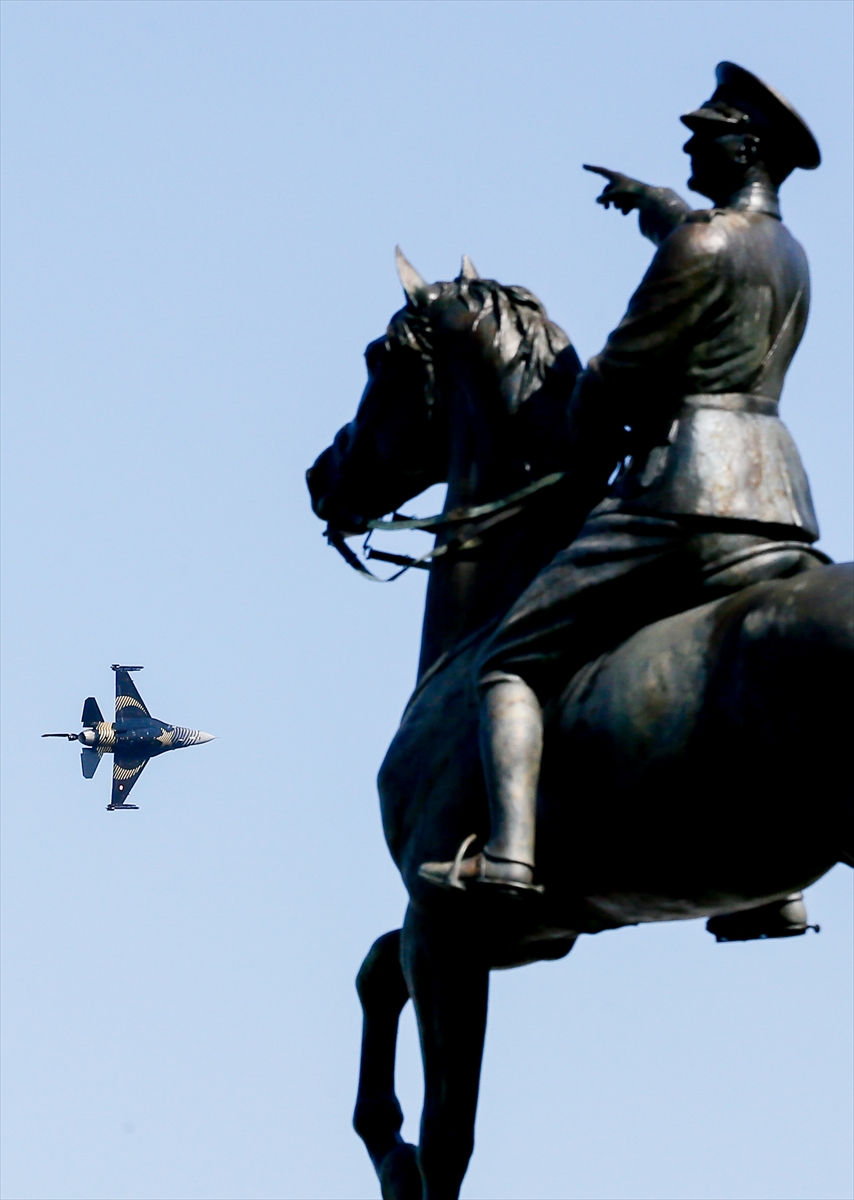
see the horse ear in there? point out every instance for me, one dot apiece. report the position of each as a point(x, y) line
point(468, 270)
point(409, 277)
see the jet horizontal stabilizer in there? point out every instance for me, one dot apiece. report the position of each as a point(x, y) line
point(91, 713)
point(89, 760)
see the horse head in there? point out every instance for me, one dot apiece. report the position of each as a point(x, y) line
point(470, 352)
point(468, 386)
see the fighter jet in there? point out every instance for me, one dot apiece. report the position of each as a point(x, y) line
point(133, 738)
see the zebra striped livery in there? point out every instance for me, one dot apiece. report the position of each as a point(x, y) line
point(132, 738)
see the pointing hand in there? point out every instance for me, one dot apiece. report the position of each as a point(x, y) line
point(622, 191)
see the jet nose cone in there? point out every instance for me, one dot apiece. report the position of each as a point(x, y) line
point(205, 737)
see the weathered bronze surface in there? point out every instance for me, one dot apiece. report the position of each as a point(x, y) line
point(615, 667)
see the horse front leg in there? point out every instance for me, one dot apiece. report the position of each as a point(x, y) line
point(448, 980)
point(378, 1116)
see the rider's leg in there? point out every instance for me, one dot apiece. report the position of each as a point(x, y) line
point(511, 720)
point(573, 610)
point(511, 746)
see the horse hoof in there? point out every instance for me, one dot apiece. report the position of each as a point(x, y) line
point(400, 1178)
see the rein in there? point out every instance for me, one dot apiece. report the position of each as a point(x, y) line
point(487, 516)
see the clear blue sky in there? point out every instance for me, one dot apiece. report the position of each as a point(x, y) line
point(200, 208)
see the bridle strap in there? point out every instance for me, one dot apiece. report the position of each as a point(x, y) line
point(487, 515)
point(336, 538)
point(458, 516)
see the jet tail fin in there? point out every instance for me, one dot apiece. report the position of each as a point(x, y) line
point(89, 760)
point(91, 712)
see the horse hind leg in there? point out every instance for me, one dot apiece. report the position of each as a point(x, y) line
point(378, 1115)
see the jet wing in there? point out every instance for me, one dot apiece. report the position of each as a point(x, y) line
point(129, 703)
point(126, 771)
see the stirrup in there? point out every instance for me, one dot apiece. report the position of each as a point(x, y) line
point(454, 880)
point(447, 874)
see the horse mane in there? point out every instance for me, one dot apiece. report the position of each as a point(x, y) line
point(523, 342)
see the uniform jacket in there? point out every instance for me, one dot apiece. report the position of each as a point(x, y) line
point(696, 367)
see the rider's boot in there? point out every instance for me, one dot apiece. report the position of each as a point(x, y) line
point(511, 743)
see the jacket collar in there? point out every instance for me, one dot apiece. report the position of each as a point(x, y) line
point(756, 198)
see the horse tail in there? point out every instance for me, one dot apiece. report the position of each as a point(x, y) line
point(378, 1116)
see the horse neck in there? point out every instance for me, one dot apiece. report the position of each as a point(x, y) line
point(467, 593)
point(486, 462)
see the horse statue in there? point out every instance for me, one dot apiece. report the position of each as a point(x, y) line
point(709, 745)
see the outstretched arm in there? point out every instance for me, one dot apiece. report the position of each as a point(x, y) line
point(660, 210)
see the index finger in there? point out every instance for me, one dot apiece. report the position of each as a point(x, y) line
point(613, 176)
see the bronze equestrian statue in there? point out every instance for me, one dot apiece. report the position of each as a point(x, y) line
point(627, 625)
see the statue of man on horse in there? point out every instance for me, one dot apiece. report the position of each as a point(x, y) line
point(710, 494)
point(627, 628)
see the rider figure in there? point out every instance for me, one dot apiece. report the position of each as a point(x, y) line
point(710, 495)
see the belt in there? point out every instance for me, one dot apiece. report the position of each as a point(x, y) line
point(743, 402)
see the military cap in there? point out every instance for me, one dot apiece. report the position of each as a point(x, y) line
point(745, 104)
